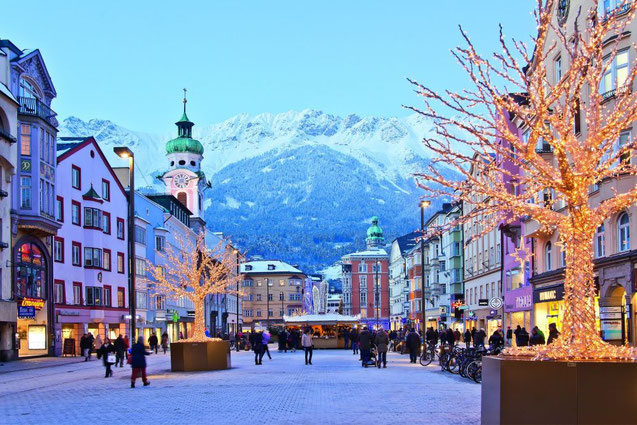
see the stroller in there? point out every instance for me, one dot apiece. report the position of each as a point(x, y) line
point(373, 356)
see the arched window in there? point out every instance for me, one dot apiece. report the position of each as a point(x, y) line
point(599, 242)
point(623, 232)
point(547, 256)
point(31, 273)
point(29, 90)
point(183, 198)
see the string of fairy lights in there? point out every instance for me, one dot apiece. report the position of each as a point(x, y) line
point(529, 159)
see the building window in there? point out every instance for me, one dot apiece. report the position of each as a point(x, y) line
point(247, 283)
point(25, 192)
point(140, 299)
point(624, 139)
point(258, 313)
point(160, 302)
point(25, 140)
point(599, 242)
point(281, 296)
point(107, 296)
point(106, 223)
point(160, 243)
point(76, 253)
point(120, 228)
point(93, 218)
point(548, 249)
point(140, 267)
point(58, 250)
point(120, 262)
point(623, 232)
point(58, 290)
point(563, 257)
point(140, 235)
point(75, 213)
point(269, 297)
point(363, 298)
point(106, 263)
point(558, 70)
point(106, 190)
point(183, 198)
point(77, 293)
point(258, 297)
point(121, 297)
point(76, 177)
point(59, 209)
point(93, 257)
point(616, 74)
point(93, 296)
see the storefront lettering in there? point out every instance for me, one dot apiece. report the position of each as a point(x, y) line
point(33, 302)
point(523, 301)
point(548, 295)
point(554, 293)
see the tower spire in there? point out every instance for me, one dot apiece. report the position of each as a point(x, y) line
point(185, 100)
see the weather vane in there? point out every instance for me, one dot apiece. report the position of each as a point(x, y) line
point(185, 100)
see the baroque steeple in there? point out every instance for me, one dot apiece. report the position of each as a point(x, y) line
point(184, 141)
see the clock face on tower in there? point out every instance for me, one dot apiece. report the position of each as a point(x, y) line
point(181, 180)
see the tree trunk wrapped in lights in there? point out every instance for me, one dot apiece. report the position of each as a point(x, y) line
point(473, 138)
point(195, 272)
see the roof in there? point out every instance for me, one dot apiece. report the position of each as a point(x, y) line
point(408, 241)
point(262, 266)
point(65, 144)
point(322, 319)
point(372, 253)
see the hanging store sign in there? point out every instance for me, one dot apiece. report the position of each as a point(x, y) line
point(483, 302)
point(543, 295)
point(37, 303)
point(26, 312)
point(495, 303)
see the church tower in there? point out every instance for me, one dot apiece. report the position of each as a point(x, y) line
point(185, 180)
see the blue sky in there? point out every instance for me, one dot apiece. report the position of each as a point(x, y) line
point(127, 61)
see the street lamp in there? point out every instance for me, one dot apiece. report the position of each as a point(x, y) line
point(282, 308)
point(377, 300)
point(124, 152)
point(236, 331)
point(423, 205)
point(267, 296)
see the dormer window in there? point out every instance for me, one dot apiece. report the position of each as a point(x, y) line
point(248, 267)
point(271, 267)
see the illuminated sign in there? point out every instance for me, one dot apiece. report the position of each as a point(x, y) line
point(523, 301)
point(542, 295)
point(33, 302)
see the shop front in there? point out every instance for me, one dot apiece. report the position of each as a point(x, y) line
point(617, 300)
point(518, 307)
point(35, 335)
point(548, 306)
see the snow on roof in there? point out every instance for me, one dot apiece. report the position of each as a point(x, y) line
point(327, 318)
point(268, 266)
point(369, 253)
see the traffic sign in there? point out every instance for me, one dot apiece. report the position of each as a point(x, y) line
point(495, 303)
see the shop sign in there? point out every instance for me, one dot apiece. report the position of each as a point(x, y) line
point(26, 312)
point(544, 295)
point(523, 301)
point(37, 303)
point(611, 330)
point(191, 313)
point(495, 302)
point(68, 313)
point(463, 307)
point(483, 302)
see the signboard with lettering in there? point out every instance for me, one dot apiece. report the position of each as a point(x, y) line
point(483, 302)
point(37, 303)
point(26, 312)
point(543, 295)
point(25, 165)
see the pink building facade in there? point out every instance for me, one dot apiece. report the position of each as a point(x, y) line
point(90, 274)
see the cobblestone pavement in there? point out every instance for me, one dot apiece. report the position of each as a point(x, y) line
point(335, 390)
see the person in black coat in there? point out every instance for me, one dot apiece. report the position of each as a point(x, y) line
point(283, 341)
point(553, 333)
point(153, 342)
point(495, 340)
point(451, 339)
point(478, 339)
point(536, 337)
point(522, 339)
point(430, 336)
point(106, 349)
point(120, 349)
point(354, 337)
point(467, 338)
point(365, 338)
point(84, 346)
point(138, 362)
point(517, 332)
point(413, 345)
point(257, 347)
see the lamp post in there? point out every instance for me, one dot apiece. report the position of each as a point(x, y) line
point(377, 300)
point(282, 308)
point(423, 205)
point(267, 298)
point(236, 330)
point(124, 152)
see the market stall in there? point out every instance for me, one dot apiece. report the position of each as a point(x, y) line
point(328, 329)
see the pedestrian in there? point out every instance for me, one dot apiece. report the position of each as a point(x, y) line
point(164, 341)
point(181, 335)
point(495, 340)
point(509, 336)
point(107, 352)
point(451, 338)
point(126, 342)
point(266, 340)
point(443, 337)
point(413, 345)
point(153, 343)
point(430, 336)
point(120, 349)
point(91, 341)
point(467, 338)
point(553, 333)
point(292, 340)
point(473, 336)
point(283, 341)
point(457, 336)
point(84, 347)
point(365, 340)
point(523, 337)
point(478, 339)
point(306, 342)
point(517, 332)
point(355, 338)
point(257, 346)
point(537, 338)
point(138, 362)
point(382, 345)
point(98, 345)
point(346, 338)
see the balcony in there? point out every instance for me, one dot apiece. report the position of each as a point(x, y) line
point(617, 10)
point(544, 148)
point(36, 108)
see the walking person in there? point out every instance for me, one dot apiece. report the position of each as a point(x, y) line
point(84, 347)
point(478, 339)
point(355, 338)
point(138, 362)
point(509, 336)
point(451, 338)
point(413, 345)
point(553, 333)
point(346, 339)
point(256, 340)
point(523, 338)
point(107, 352)
point(537, 338)
point(283, 341)
point(382, 345)
point(306, 342)
point(91, 341)
point(153, 343)
point(365, 339)
point(164, 341)
point(266, 340)
point(467, 338)
point(120, 350)
point(97, 345)
point(517, 332)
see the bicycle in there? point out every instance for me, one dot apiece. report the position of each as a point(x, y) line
point(428, 355)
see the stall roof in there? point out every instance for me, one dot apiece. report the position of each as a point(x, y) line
point(322, 319)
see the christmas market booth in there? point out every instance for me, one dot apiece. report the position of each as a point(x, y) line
point(328, 329)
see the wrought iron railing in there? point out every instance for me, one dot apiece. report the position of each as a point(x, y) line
point(37, 108)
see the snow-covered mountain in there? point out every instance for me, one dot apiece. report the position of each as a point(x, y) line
point(300, 186)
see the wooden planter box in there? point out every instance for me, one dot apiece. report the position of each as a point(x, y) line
point(194, 356)
point(516, 391)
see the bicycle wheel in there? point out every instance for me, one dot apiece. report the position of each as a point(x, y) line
point(471, 369)
point(452, 364)
point(477, 375)
point(426, 358)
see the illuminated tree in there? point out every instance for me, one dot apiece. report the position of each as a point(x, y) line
point(194, 271)
point(553, 184)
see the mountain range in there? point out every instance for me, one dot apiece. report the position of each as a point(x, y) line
point(296, 186)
